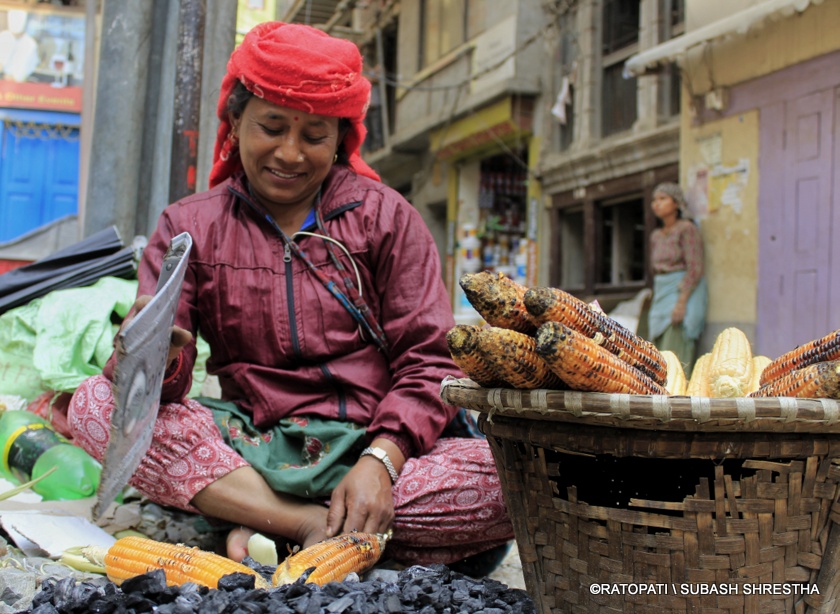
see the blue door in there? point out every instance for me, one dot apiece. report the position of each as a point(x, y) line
point(39, 170)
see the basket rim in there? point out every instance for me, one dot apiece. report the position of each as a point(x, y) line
point(773, 414)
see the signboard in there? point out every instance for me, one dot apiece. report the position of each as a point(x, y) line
point(41, 60)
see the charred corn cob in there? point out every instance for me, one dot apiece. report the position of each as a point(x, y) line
point(730, 367)
point(584, 365)
point(819, 350)
point(514, 359)
point(499, 300)
point(676, 384)
point(133, 556)
point(462, 340)
point(698, 383)
point(555, 305)
point(816, 381)
point(759, 364)
point(333, 559)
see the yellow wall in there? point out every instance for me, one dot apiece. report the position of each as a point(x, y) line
point(765, 49)
point(247, 18)
point(730, 231)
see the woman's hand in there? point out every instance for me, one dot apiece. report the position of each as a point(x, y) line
point(180, 336)
point(678, 314)
point(362, 501)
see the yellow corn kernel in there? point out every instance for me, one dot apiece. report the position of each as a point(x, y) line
point(759, 364)
point(584, 365)
point(133, 556)
point(331, 560)
point(698, 383)
point(820, 380)
point(498, 299)
point(513, 357)
point(676, 383)
point(730, 368)
point(462, 340)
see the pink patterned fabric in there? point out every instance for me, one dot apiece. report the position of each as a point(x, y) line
point(448, 503)
point(187, 452)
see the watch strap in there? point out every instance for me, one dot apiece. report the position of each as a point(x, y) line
point(382, 456)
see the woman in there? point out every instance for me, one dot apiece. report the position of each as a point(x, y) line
point(319, 291)
point(678, 311)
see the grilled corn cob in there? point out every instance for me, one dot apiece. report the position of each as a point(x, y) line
point(759, 364)
point(584, 365)
point(698, 383)
point(462, 340)
point(819, 350)
point(499, 300)
point(730, 367)
point(332, 559)
point(819, 380)
point(676, 384)
point(555, 305)
point(514, 359)
point(133, 556)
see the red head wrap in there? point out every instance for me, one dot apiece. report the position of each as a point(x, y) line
point(297, 67)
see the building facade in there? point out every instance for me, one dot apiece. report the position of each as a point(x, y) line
point(44, 51)
point(760, 157)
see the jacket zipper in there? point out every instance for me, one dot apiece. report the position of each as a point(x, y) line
point(287, 259)
point(290, 298)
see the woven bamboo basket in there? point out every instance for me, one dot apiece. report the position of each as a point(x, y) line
point(667, 504)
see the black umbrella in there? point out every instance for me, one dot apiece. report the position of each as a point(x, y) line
point(81, 264)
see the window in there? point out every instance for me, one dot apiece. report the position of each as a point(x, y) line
point(673, 25)
point(380, 118)
point(572, 248)
point(621, 233)
point(618, 111)
point(565, 73)
point(443, 26)
point(619, 40)
point(621, 24)
point(602, 234)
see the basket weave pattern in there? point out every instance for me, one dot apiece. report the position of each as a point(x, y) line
point(770, 524)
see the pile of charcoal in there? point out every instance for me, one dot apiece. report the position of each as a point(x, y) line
point(426, 590)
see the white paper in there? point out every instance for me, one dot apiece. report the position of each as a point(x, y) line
point(38, 532)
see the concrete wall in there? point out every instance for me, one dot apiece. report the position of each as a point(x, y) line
point(434, 94)
point(729, 222)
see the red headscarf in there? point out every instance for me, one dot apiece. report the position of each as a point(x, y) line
point(297, 67)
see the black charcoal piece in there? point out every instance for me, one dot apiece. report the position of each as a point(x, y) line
point(236, 580)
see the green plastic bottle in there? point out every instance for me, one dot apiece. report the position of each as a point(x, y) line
point(30, 448)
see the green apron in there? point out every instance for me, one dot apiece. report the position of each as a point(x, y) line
point(304, 455)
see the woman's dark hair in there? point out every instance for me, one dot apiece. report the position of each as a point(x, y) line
point(238, 100)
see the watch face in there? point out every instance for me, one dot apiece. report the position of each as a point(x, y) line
point(379, 453)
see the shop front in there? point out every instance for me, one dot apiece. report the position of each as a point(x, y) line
point(492, 197)
point(41, 62)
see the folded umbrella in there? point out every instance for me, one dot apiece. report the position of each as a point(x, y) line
point(81, 264)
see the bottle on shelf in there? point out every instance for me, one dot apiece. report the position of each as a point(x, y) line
point(30, 448)
point(470, 250)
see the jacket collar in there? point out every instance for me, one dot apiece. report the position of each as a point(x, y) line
point(341, 191)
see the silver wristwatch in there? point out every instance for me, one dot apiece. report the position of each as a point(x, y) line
point(382, 455)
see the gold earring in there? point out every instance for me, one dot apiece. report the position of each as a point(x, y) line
point(335, 158)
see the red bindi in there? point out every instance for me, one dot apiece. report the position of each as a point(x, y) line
point(296, 118)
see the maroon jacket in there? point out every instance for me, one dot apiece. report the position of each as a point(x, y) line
point(281, 344)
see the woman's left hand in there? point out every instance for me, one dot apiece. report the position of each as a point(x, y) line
point(362, 501)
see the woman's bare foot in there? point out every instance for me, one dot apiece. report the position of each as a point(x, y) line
point(237, 539)
point(237, 543)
